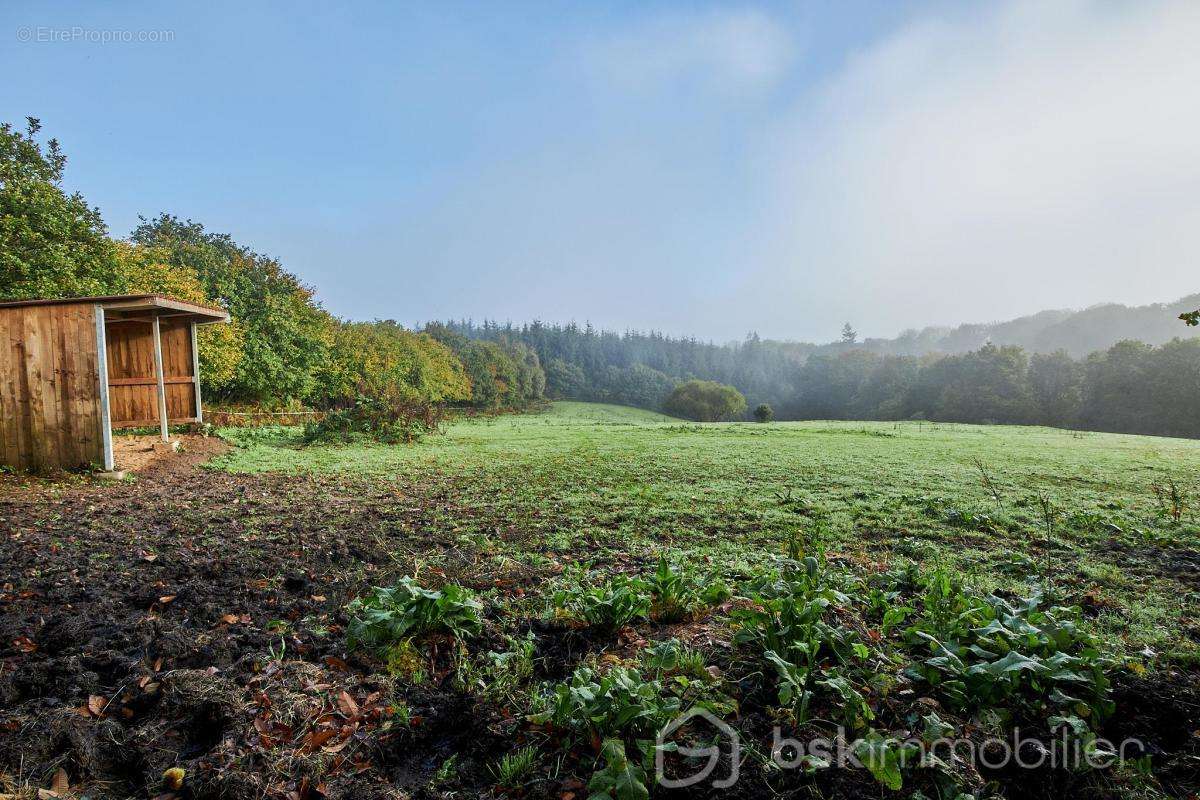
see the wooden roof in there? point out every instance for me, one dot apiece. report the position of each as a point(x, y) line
point(156, 304)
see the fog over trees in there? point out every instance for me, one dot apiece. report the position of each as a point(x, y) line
point(1110, 367)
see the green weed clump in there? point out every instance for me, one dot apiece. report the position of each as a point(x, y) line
point(987, 652)
point(515, 768)
point(672, 593)
point(679, 592)
point(619, 778)
point(390, 616)
point(623, 712)
point(607, 606)
point(788, 625)
point(672, 657)
point(498, 677)
point(619, 703)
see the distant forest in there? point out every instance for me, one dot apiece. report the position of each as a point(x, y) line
point(1110, 367)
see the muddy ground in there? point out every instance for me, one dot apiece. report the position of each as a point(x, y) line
point(192, 619)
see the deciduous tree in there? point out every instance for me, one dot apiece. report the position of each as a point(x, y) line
point(705, 401)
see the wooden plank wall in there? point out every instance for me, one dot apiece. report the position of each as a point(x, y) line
point(133, 388)
point(49, 387)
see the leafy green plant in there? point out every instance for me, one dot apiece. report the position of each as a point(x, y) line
point(620, 703)
point(679, 592)
point(607, 606)
point(446, 772)
point(787, 624)
point(883, 757)
point(499, 677)
point(619, 708)
point(855, 711)
point(390, 615)
point(671, 657)
point(987, 651)
point(620, 778)
point(1084, 739)
point(1172, 498)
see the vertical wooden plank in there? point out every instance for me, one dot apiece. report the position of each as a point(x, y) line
point(158, 374)
point(79, 377)
point(196, 371)
point(176, 356)
point(35, 389)
point(9, 401)
point(67, 446)
point(67, 345)
point(56, 442)
point(29, 408)
point(21, 389)
point(180, 402)
point(102, 379)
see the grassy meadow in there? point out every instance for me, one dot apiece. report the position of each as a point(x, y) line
point(1087, 513)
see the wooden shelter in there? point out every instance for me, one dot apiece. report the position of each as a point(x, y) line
point(72, 370)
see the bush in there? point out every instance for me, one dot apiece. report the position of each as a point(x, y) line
point(390, 615)
point(763, 413)
point(383, 360)
point(705, 401)
point(390, 422)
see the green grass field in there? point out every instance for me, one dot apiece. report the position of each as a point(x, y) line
point(605, 481)
point(519, 607)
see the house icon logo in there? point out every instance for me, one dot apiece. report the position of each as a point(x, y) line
point(698, 718)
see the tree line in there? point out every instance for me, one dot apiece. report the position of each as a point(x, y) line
point(1131, 387)
point(282, 349)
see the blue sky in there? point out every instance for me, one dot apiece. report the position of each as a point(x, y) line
point(700, 169)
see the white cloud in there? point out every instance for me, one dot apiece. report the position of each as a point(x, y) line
point(978, 167)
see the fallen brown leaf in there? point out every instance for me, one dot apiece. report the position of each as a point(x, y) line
point(339, 747)
point(347, 704)
point(61, 783)
point(318, 738)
